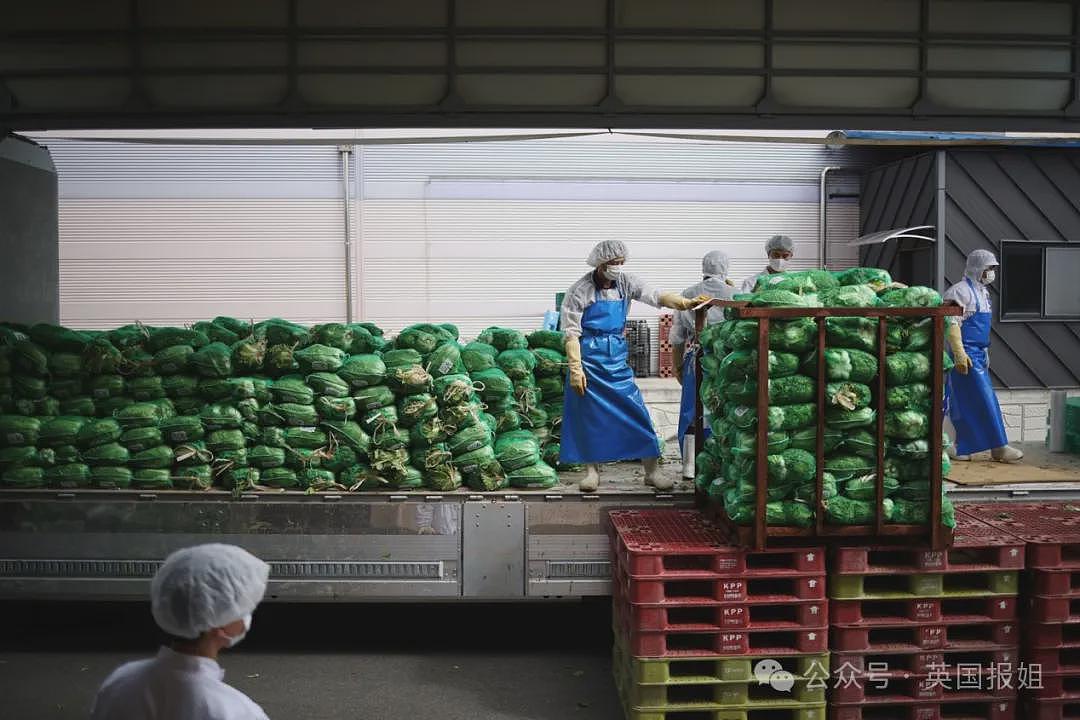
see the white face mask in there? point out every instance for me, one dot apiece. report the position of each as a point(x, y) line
point(612, 272)
point(234, 640)
point(777, 264)
point(988, 277)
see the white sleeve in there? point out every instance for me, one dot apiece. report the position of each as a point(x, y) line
point(637, 289)
point(961, 294)
point(573, 305)
point(681, 329)
point(748, 285)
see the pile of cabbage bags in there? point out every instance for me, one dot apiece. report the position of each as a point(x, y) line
point(277, 405)
point(726, 466)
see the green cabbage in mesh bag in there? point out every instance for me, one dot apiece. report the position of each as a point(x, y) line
point(393, 465)
point(742, 364)
point(339, 460)
point(230, 459)
point(264, 457)
point(744, 442)
point(862, 443)
point(915, 296)
point(844, 467)
point(788, 467)
point(66, 454)
point(64, 388)
point(335, 408)
point(309, 439)
point(182, 429)
point(507, 421)
point(292, 389)
point(362, 371)
point(144, 414)
point(193, 453)
point(216, 333)
point(363, 341)
point(478, 356)
point(445, 360)
point(280, 360)
point(906, 424)
point(62, 430)
point(95, 432)
point(442, 477)
point(59, 339)
point(29, 358)
point(503, 339)
point(18, 456)
point(842, 364)
point(161, 338)
point(782, 391)
point(913, 449)
point(128, 335)
point(379, 420)
point(213, 361)
point(807, 492)
point(414, 408)
point(454, 389)
point(103, 387)
point(215, 390)
point(412, 338)
point(408, 379)
point(547, 339)
point(107, 454)
point(539, 476)
point(551, 389)
point(793, 336)
point(904, 368)
point(81, 406)
point(144, 389)
point(280, 478)
point(180, 386)
point(907, 470)
point(101, 357)
point(516, 450)
point(281, 332)
point(549, 363)
point(780, 417)
point(372, 398)
point(849, 296)
point(296, 415)
point(159, 457)
point(238, 479)
point(787, 513)
point(430, 456)
point(847, 395)
point(65, 365)
point(469, 439)
point(428, 432)
point(493, 383)
point(110, 476)
point(856, 333)
point(909, 397)
point(918, 513)
point(220, 417)
point(141, 438)
point(517, 364)
point(865, 487)
point(779, 298)
point(909, 335)
point(842, 510)
point(23, 477)
point(849, 419)
point(390, 438)
point(44, 407)
point(319, 358)
point(401, 358)
point(137, 362)
point(336, 335)
point(220, 440)
point(194, 477)
point(329, 384)
point(172, 360)
point(350, 434)
point(249, 354)
point(877, 278)
point(28, 387)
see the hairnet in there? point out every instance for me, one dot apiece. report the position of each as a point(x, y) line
point(715, 264)
point(206, 586)
point(606, 251)
point(977, 262)
point(779, 242)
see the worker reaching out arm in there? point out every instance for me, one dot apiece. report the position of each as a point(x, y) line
point(970, 402)
point(604, 416)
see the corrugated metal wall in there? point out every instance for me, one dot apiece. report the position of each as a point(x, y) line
point(476, 233)
point(991, 195)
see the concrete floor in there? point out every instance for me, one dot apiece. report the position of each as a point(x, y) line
point(370, 662)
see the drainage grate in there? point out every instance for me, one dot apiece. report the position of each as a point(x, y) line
point(278, 570)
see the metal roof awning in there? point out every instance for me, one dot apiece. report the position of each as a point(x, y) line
point(884, 236)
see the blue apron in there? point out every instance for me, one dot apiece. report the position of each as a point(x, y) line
point(610, 423)
point(689, 399)
point(969, 399)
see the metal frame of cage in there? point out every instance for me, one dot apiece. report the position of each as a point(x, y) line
point(758, 534)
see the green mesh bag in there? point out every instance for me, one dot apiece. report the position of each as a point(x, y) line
point(918, 513)
point(239, 479)
point(481, 470)
point(248, 409)
point(212, 361)
point(849, 296)
point(791, 336)
point(408, 379)
point(843, 364)
point(145, 389)
point(144, 414)
point(349, 434)
point(876, 278)
point(230, 458)
point(540, 476)
point(294, 415)
point(428, 432)
point(379, 419)
point(220, 416)
point(517, 364)
point(915, 396)
point(845, 467)
point(30, 358)
point(905, 368)
point(249, 355)
point(302, 458)
point(279, 478)
point(430, 456)
point(454, 389)
point(102, 387)
point(551, 389)
point(478, 356)
point(848, 395)
point(59, 339)
point(442, 477)
point(318, 480)
point(913, 449)
point(280, 360)
point(272, 436)
point(65, 454)
point(780, 417)
point(161, 338)
point(28, 387)
point(45, 407)
point(193, 453)
point(363, 341)
point(335, 408)
point(855, 333)
point(390, 438)
point(216, 333)
point(141, 438)
point(101, 357)
point(194, 477)
point(65, 365)
point(507, 421)
point(66, 388)
point(319, 358)
point(906, 425)
point(19, 456)
point(413, 338)
point(469, 439)
point(744, 442)
point(845, 419)
point(107, 454)
point(493, 384)
point(264, 457)
point(296, 437)
point(842, 510)
point(241, 328)
point(80, 406)
point(281, 332)
point(865, 487)
point(862, 443)
point(110, 476)
point(414, 408)
point(182, 429)
point(292, 389)
point(392, 465)
point(340, 459)
point(328, 384)
point(159, 457)
point(213, 390)
point(335, 335)
point(909, 335)
point(915, 296)
point(782, 513)
point(180, 386)
point(400, 358)
point(782, 391)
point(23, 477)
point(362, 371)
point(503, 339)
point(547, 339)
point(137, 362)
point(220, 440)
point(58, 431)
point(445, 360)
point(95, 432)
point(549, 363)
point(172, 360)
point(742, 365)
point(779, 298)
point(516, 450)
point(906, 470)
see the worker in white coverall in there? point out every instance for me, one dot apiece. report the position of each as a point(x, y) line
point(779, 249)
point(970, 403)
point(203, 597)
point(683, 336)
point(604, 415)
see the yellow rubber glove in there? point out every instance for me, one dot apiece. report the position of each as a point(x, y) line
point(956, 344)
point(676, 301)
point(573, 359)
point(676, 361)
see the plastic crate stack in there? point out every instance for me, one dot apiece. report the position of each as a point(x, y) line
point(922, 635)
point(707, 630)
point(1051, 628)
point(639, 347)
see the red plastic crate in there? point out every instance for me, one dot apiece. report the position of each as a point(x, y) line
point(1051, 530)
point(725, 589)
point(1054, 609)
point(684, 543)
point(977, 709)
point(920, 663)
point(1051, 636)
point(748, 616)
point(1052, 710)
point(922, 610)
point(1056, 583)
point(1054, 660)
point(914, 637)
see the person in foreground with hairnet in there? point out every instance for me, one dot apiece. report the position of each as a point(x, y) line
point(683, 336)
point(779, 249)
point(970, 402)
point(203, 597)
point(604, 416)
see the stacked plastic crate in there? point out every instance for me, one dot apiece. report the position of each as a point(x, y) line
point(705, 629)
point(1051, 630)
point(924, 635)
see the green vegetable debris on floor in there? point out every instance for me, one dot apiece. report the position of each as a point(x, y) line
point(276, 405)
point(726, 466)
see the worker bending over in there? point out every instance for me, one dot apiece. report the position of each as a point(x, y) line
point(683, 336)
point(970, 402)
point(604, 417)
point(203, 597)
point(779, 249)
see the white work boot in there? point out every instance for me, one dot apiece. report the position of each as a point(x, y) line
point(1006, 454)
point(688, 469)
point(951, 452)
point(591, 481)
point(653, 476)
